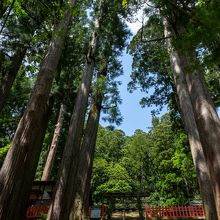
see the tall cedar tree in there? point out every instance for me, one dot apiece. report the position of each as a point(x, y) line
point(113, 43)
point(208, 124)
point(17, 172)
point(206, 116)
point(11, 73)
point(191, 127)
point(54, 144)
point(63, 197)
point(21, 44)
point(81, 199)
point(81, 204)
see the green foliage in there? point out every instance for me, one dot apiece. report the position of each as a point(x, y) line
point(109, 144)
point(118, 180)
point(43, 217)
point(14, 107)
point(213, 79)
point(157, 163)
point(174, 173)
point(124, 4)
point(3, 152)
point(135, 159)
point(114, 186)
point(151, 70)
point(113, 36)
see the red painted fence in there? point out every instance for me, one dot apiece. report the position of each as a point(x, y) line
point(169, 212)
point(36, 211)
point(166, 212)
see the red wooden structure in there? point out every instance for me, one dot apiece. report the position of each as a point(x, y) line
point(169, 212)
point(35, 211)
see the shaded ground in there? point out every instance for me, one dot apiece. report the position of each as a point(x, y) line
point(125, 215)
point(135, 216)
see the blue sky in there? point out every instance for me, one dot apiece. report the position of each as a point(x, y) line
point(135, 117)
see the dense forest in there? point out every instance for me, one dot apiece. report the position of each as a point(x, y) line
point(59, 67)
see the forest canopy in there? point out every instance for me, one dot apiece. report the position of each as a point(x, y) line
point(59, 68)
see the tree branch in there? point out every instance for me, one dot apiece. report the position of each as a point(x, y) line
point(12, 4)
point(33, 18)
point(46, 6)
point(110, 107)
point(156, 39)
point(151, 40)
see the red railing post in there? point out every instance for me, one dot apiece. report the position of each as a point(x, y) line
point(170, 212)
point(102, 211)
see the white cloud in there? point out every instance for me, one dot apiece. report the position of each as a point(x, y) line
point(134, 27)
point(137, 24)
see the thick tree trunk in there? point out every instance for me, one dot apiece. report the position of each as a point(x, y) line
point(80, 208)
point(10, 75)
point(53, 147)
point(66, 186)
point(19, 167)
point(18, 188)
point(87, 194)
point(191, 128)
point(208, 124)
point(85, 164)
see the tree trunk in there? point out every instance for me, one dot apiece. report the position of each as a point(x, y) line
point(63, 198)
point(87, 195)
point(140, 207)
point(53, 148)
point(19, 188)
point(19, 167)
point(191, 128)
point(8, 79)
point(3, 9)
point(208, 124)
point(85, 164)
point(80, 208)
point(111, 203)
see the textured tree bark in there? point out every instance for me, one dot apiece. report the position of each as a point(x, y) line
point(53, 148)
point(208, 124)
point(191, 128)
point(140, 207)
point(8, 79)
point(80, 209)
point(19, 167)
point(87, 194)
point(22, 189)
point(63, 198)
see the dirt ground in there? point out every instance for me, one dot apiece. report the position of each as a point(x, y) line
point(134, 216)
point(125, 215)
